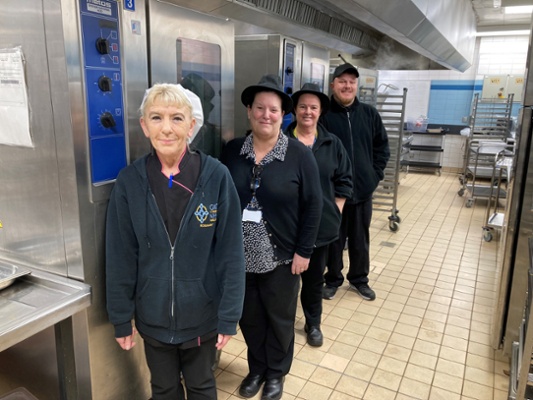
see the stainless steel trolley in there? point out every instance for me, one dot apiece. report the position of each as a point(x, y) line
point(482, 170)
point(392, 111)
point(494, 217)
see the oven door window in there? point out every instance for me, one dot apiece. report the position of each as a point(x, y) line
point(199, 70)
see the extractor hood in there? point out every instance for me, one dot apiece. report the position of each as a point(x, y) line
point(442, 31)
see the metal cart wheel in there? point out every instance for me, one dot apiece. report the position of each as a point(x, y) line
point(395, 218)
point(487, 235)
point(461, 192)
point(394, 226)
point(469, 203)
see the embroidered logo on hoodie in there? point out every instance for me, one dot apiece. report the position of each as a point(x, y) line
point(203, 215)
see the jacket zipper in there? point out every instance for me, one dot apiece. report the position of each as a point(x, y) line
point(172, 277)
point(350, 131)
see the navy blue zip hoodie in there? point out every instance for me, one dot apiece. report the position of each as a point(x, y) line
point(361, 131)
point(175, 291)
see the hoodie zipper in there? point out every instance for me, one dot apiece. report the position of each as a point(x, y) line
point(172, 251)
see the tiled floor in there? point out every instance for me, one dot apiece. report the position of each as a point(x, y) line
point(427, 335)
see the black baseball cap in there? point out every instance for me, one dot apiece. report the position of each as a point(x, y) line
point(345, 68)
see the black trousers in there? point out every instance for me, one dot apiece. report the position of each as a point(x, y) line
point(167, 362)
point(312, 283)
point(267, 321)
point(355, 226)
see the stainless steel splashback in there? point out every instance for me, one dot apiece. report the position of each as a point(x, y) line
point(39, 203)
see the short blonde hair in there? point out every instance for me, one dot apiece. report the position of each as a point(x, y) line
point(167, 94)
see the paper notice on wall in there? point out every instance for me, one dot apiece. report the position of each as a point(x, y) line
point(14, 109)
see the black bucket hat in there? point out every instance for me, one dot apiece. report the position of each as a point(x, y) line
point(311, 88)
point(268, 83)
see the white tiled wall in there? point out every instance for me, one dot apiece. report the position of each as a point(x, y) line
point(454, 148)
point(493, 56)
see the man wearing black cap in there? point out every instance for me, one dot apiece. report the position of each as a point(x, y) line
point(361, 130)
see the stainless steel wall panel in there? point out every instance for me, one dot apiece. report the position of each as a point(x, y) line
point(30, 203)
point(135, 37)
point(259, 55)
point(315, 59)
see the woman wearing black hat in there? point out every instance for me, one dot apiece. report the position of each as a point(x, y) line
point(336, 181)
point(278, 184)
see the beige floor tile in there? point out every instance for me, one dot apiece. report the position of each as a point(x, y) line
point(313, 391)
point(334, 363)
point(477, 391)
point(374, 392)
point(366, 357)
point(427, 335)
point(351, 386)
point(359, 370)
point(342, 396)
point(342, 350)
point(293, 385)
point(414, 389)
point(479, 376)
point(418, 373)
point(302, 369)
point(392, 365)
point(441, 394)
point(325, 377)
point(450, 368)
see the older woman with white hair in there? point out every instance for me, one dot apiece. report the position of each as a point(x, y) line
point(174, 251)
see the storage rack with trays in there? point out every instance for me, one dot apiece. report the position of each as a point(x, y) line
point(391, 108)
point(521, 373)
point(490, 119)
point(425, 151)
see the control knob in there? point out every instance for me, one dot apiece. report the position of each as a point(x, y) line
point(105, 84)
point(107, 120)
point(102, 45)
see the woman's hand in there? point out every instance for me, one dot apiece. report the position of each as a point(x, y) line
point(222, 340)
point(127, 342)
point(299, 264)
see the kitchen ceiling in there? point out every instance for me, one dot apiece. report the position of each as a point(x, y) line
point(491, 15)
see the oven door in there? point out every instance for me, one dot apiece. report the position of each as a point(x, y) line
point(197, 51)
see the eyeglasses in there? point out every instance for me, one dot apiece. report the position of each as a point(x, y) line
point(256, 178)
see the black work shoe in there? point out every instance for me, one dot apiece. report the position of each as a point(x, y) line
point(328, 292)
point(273, 389)
point(251, 385)
point(363, 290)
point(314, 335)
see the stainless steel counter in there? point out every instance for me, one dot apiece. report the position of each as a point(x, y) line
point(37, 301)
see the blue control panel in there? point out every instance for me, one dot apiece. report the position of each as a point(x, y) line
point(103, 85)
point(288, 77)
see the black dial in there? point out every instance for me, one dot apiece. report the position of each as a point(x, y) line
point(107, 120)
point(102, 45)
point(105, 84)
point(288, 70)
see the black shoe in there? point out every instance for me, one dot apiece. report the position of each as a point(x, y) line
point(328, 292)
point(273, 389)
point(251, 385)
point(314, 335)
point(363, 290)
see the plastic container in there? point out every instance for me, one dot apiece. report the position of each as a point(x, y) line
point(419, 124)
